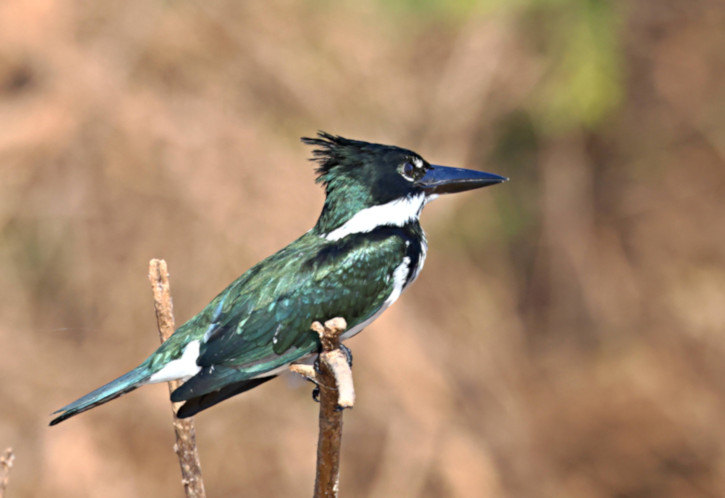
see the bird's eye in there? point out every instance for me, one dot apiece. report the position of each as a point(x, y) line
point(412, 169)
point(408, 169)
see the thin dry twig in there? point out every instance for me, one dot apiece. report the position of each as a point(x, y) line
point(6, 463)
point(334, 379)
point(185, 446)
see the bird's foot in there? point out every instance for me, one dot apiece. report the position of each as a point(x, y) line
point(316, 365)
point(348, 353)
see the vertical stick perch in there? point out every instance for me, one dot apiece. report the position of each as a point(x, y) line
point(6, 463)
point(185, 446)
point(334, 379)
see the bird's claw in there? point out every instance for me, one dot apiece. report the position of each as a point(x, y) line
point(316, 391)
point(348, 354)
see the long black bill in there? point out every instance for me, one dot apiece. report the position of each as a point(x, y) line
point(446, 180)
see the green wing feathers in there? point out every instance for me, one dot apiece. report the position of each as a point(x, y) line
point(268, 325)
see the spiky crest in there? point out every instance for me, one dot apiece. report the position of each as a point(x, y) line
point(335, 155)
point(332, 151)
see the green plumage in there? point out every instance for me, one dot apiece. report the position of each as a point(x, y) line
point(262, 320)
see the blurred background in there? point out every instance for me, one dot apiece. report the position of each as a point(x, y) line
point(566, 337)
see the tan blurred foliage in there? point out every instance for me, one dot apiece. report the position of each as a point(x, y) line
point(566, 337)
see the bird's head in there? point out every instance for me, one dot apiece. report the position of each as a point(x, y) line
point(370, 185)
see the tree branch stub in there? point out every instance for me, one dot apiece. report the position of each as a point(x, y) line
point(333, 377)
point(6, 463)
point(185, 446)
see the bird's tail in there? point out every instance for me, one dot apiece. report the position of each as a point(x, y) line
point(122, 385)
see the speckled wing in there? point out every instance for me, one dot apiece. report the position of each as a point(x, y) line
point(262, 322)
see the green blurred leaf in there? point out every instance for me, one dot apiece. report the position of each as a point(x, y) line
point(450, 9)
point(584, 85)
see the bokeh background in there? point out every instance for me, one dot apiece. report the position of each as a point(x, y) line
point(566, 337)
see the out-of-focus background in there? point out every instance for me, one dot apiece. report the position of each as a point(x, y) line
point(566, 337)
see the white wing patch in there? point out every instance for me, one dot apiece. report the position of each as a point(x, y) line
point(397, 213)
point(180, 368)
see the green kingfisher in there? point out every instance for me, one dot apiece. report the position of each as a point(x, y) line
point(365, 249)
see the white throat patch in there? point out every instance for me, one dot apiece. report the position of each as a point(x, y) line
point(396, 213)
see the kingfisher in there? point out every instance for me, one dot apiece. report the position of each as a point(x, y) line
point(365, 249)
